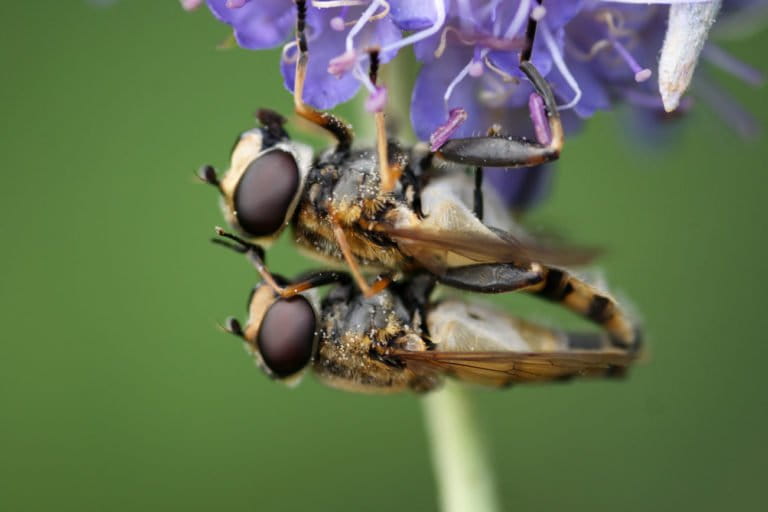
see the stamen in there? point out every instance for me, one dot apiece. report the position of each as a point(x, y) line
point(476, 65)
point(377, 100)
point(190, 5)
point(538, 12)
point(383, 14)
point(539, 118)
point(461, 75)
point(493, 43)
point(465, 14)
point(440, 136)
point(422, 34)
point(616, 22)
point(456, 80)
point(557, 57)
point(732, 65)
point(641, 74)
point(596, 48)
point(294, 56)
point(518, 20)
point(337, 22)
point(327, 4)
point(341, 64)
point(358, 26)
point(363, 77)
point(475, 68)
point(337, 66)
point(506, 77)
point(495, 18)
point(444, 40)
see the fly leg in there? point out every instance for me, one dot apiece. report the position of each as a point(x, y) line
point(256, 254)
point(338, 128)
point(477, 208)
point(492, 277)
point(506, 151)
point(478, 205)
point(391, 166)
point(368, 290)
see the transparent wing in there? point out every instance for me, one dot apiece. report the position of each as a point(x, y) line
point(451, 235)
point(434, 247)
point(499, 369)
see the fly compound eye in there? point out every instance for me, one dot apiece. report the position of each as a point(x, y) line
point(286, 337)
point(265, 193)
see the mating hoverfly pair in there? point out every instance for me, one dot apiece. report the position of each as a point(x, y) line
point(415, 216)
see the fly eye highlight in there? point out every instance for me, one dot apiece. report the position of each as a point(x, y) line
point(265, 193)
point(286, 339)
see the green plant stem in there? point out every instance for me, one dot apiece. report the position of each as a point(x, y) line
point(464, 477)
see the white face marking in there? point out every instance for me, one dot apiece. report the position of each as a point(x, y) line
point(248, 148)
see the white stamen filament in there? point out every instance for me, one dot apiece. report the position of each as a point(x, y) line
point(465, 13)
point(359, 24)
point(378, 16)
point(357, 70)
point(363, 77)
point(505, 77)
point(290, 59)
point(519, 19)
point(328, 4)
point(462, 74)
point(497, 20)
point(557, 57)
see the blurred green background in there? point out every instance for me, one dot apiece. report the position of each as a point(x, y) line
point(117, 392)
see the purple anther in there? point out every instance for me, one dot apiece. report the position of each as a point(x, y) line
point(377, 100)
point(337, 23)
point(190, 5)
point(440, 136)
point(340, 65)
point(539, 118)
point(641, 74)
point(475, 68)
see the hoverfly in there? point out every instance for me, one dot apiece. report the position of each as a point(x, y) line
point(397, 210)
point(398, 339)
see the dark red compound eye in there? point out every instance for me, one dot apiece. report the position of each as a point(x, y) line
point(287, 336)
point(265, 193)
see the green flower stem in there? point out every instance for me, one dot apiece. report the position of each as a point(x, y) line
point(464, 476)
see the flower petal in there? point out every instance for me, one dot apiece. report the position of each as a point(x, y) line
point(410, 15)
point(257, 25)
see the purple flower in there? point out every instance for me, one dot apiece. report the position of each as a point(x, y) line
point(261, 24)
point(609, 49)
point(257, 25)
point(596, 54)
point(609, 52)
point(472, 63)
